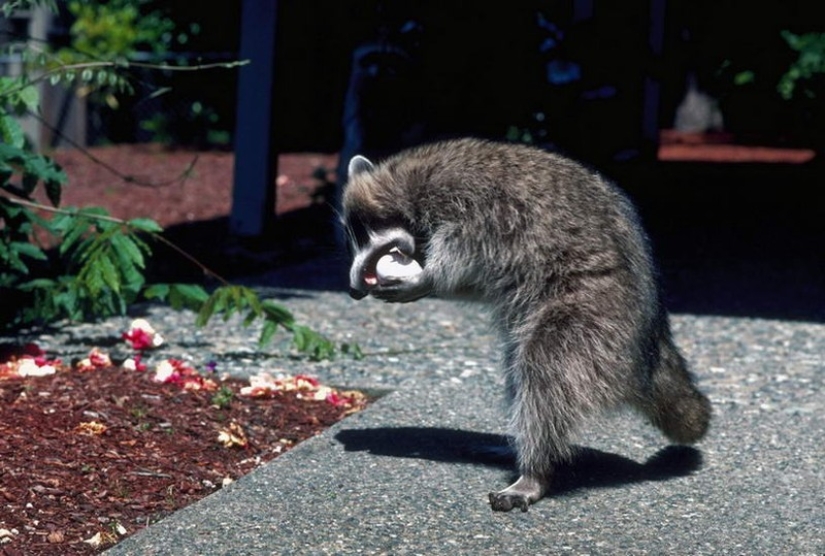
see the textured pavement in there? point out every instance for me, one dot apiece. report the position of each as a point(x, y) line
point(407, 475)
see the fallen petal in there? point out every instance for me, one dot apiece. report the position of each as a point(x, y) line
point(96, 541)
point(29, 367)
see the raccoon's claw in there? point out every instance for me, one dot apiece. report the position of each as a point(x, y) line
point(401, 290)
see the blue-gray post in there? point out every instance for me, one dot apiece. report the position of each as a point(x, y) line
point(652, 85)
point(253, 193)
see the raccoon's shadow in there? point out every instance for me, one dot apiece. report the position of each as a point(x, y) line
point(589, 468)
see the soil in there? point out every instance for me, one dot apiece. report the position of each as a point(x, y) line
point(90, 457)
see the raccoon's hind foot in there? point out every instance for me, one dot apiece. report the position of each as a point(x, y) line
point(527, 490)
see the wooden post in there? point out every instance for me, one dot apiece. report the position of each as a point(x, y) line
point(256, 162)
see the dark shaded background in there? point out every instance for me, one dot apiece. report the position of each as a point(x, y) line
point(734, 239)
point(480, 70)
point(472, 70)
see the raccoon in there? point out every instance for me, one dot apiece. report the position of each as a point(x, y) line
point(560, 256)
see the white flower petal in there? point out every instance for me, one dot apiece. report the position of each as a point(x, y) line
point(28, 367)
point(142, 324)
point(163, 371)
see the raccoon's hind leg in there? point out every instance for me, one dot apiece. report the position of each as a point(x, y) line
point(542, 387)
point(675, 405)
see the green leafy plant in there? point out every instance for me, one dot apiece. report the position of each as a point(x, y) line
point(773, 87)
point(795, 70)
point(806, 75)
point(103, 259)
point(802, 78)
point(119, 28)
point(107, 36)
point(223, 397)
point(130, 34)
point(97, 269)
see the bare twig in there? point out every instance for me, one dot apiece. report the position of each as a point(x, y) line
point(114, 171)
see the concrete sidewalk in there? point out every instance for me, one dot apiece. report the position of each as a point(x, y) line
point(403, 477)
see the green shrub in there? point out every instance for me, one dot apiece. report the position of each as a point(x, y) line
point(97, 268)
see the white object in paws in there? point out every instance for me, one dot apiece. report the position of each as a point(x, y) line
point(395, 265)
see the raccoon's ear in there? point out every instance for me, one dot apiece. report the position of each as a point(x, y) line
point(359, 165)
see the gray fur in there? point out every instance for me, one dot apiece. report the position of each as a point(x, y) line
point(559, 254)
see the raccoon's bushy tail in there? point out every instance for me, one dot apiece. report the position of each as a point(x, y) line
point(676, 406)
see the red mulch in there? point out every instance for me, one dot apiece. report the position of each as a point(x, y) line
point(98, 455)
point(174, 186)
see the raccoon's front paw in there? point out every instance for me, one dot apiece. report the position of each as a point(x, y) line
point(403, 290)
point(506, 501)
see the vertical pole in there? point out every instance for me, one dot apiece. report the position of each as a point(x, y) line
point(652, 86)
point(253, 193)
point(583, 10)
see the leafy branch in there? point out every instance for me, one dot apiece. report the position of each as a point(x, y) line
point(98, 72)
point(108, 256)
point(95, 73)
